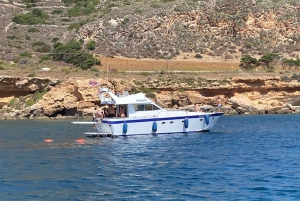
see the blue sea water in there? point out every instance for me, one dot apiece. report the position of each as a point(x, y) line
point(242, 158)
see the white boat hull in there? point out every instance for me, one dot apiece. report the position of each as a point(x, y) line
point(158, 125)
point(139, 115)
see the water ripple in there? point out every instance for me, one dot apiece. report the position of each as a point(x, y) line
point(243, 158)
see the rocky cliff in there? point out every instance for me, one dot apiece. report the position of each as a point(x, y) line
point(45, 98)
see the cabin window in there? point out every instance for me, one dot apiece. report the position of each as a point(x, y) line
point(146, 107)
point(155, 107)
point(139, 107)
point(151, 107)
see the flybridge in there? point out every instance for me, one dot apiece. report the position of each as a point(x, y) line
point(104, 96)
point(107, 97)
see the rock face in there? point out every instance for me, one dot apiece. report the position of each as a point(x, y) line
point(75, 96)
point(11, 87)
point(240, 24)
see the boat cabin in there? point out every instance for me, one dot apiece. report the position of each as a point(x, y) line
point(136, 105)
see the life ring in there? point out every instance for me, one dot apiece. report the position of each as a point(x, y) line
point(80, 141)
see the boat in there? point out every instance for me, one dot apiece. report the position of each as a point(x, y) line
point(142, 116)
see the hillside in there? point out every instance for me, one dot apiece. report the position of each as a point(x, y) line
point(211, 31)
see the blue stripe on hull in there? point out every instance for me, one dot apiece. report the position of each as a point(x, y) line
point(118, 121)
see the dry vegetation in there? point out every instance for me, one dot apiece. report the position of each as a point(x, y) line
point(124, 64)
point(141, 69)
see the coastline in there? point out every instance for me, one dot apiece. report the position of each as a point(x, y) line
point(242, 94)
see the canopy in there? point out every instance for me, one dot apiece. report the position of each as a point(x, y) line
point(139, 98)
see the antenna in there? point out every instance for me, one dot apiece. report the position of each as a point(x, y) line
point(107, 73)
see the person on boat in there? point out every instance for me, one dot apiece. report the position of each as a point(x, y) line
point(219, 104)
point(197, 108)
point(99, 115)
point(103, 113)
point(94, 114)
point(111, 112)
point(121, 111)
point(105, 110)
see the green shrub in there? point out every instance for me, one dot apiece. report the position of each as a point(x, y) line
point(31, 75)
point(30, 102)
point(1, 68)
point(144, 73)
point(30, 1)
point(55, 39)
point(91, 45)
point(138, 11)
point(32, 30)
point(25, 55)
point(270, 69)
point(111, 5)
point(144, 90)
point(66, 70)
point(56, 12)
point(94, 69)
point(38, 95)
point(76, 26)
point(198, 56)
point(155, 5)
point(126, 19)
point(285, 79)
point(82, 8)
point(295, 77)
point(75, 11)
point(12, 37)
point(22, 99)
point(89, 9)
point(41, 46)
point(44, 58)
point(12, 102)
point(37, 16)
point(18, 107)
point(71, 53)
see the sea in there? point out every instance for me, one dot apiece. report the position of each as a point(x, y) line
point(253, 157)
